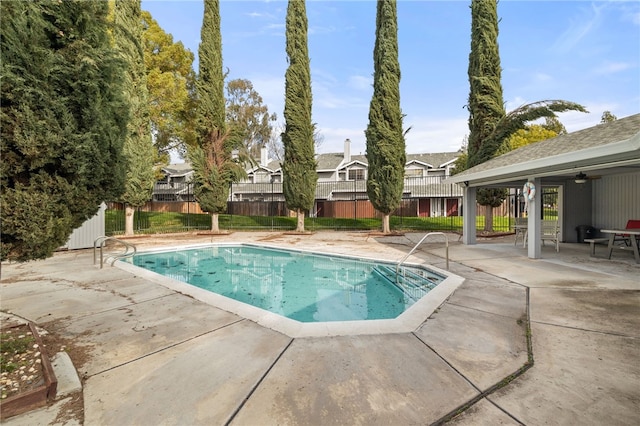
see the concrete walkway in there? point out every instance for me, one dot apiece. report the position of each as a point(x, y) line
point(149, 355)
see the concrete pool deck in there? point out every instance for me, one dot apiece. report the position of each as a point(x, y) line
point(149, 355)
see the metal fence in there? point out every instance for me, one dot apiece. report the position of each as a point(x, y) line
point(427, 204)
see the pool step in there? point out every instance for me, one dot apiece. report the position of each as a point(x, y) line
point(415, 282)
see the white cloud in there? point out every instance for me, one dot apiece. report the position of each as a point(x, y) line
point(328, 92)
point(324, 98)
point(541, 77)
point(317, 30)
point(271, 88)
point(427, 135)
point(431, 134)
point(612, 67)
point(630, 12)
point(579, 28)
point(334, 140)
point(321, 76)
point(270, 27)
point(574, 121)
point(360, 82)
point(516, 102)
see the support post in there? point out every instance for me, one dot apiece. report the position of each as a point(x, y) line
point(534, 222)
point(469, 214)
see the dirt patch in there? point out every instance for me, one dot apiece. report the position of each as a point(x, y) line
point(129, 237)
point(493, 234)
point(55, 342)
point(71, 410)
point(382, 234)
point(271, 237)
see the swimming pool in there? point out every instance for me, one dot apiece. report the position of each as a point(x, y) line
point(306, 291)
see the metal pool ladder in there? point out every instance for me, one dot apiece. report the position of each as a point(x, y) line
point(130, 250)
point(446, 239)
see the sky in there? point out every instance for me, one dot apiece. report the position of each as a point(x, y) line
point(582, 51)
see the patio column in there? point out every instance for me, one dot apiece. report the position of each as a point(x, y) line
point(534, 221)
point(469, 213)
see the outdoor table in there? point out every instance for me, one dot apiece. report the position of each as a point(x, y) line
point(632, 235)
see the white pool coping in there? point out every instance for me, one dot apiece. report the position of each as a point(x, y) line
point(408, 321)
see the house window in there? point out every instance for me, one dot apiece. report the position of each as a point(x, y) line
point(413, 173)
point(356, 174)
point(261, 177)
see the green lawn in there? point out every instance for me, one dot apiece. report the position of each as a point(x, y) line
point(159, 223)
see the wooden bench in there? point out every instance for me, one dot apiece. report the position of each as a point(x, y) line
point(592, 244)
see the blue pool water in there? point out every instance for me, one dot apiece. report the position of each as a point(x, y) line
point(298, 285)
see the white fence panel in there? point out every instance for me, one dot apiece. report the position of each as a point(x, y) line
point(86, 234)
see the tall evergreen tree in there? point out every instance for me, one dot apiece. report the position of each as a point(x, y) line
point(214, 165)
point(299, 166)
point(386, 152)
point(138, 146)
point(486, 104)
point(489, 125)
point(63, 122)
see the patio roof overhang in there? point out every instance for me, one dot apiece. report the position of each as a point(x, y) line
point(613, 158)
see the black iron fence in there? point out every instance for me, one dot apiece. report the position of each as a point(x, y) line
point(427, 204)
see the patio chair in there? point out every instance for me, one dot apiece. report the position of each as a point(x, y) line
point(521, 230)
point(550, 232)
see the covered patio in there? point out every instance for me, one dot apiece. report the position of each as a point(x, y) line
point(596, 171)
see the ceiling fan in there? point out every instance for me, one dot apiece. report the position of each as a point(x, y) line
point(582, 178)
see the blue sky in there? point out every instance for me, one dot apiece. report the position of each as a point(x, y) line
point(586, 52)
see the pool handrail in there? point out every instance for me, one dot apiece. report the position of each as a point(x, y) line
point(102, 240)
point(446, 239)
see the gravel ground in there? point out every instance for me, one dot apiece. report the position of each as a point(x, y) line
point(21, 364)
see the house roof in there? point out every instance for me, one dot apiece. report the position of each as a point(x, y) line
point(329, 161)
point(178, 169)
point(271, 167)
point(333, 161)
point(613, 147)
point(438, 160)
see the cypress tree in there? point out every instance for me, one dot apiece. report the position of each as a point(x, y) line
point(212, 159)
point(486, 105)
point(299, 166)
point(63, 122)
point(489, 125)
point(138, 146)
point(386, 152)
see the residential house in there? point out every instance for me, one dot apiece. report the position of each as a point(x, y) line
point(175, 184)
point(342, 179)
